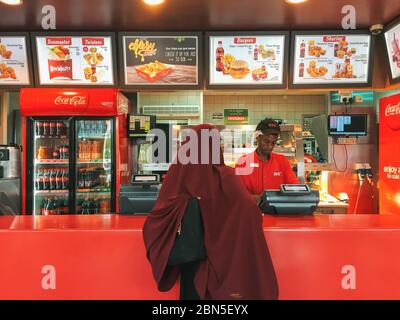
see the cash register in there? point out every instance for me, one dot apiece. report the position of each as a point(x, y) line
point(290, 199)
point(140, 196)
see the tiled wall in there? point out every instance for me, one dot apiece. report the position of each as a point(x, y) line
point(289, 108)
point(169, 98)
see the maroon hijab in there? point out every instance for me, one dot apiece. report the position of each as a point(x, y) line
point(238, 264)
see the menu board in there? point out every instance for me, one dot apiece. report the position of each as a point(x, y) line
point(246, 59)
point(75, 60)
point(393, 49)
point(14, 67)
point(331, 59)
point(160, 60)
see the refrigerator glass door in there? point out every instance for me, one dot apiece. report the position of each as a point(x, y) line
point(51, 167)
point(93, 166)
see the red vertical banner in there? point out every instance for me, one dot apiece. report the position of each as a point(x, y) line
point(389, 155)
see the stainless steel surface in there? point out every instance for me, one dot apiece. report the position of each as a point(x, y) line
point(12, 164)
point(10, 196)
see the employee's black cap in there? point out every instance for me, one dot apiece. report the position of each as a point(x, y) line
point(269, 126)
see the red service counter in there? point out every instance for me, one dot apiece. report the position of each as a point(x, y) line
point(103, 257)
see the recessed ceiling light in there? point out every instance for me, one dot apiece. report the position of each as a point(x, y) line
point(295, 1)
point(153, 2)
point(12, 2)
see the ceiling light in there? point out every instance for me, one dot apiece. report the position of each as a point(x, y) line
point(12, 2)
point(295, 1)
point(153, 2)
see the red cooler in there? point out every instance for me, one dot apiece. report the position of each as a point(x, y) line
point(75, 150)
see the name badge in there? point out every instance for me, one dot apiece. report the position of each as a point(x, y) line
point(254, 165)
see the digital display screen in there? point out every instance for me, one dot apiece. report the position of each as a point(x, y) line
point(355, 124)
point(75, 60)
point(149, 178)
point(250, 59)
point(295, 187)
point(331, 59)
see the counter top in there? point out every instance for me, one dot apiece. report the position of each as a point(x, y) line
point(135, 222)
point(104, 257)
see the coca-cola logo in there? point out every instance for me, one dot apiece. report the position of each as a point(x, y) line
point(392, 110)
point(391, 114)
point(60, 69)
point(74, 100)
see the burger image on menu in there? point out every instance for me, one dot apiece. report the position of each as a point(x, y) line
point(60, 62)
point(239, 69)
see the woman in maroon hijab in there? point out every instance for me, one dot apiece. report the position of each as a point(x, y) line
point(238, 264)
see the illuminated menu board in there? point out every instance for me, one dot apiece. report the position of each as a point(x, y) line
point(392, 40)
point(160, 59)
point(74, 60)
point(15, 68)
point(331, 59)
point(247, 59)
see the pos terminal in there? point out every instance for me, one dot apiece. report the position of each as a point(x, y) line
point(290, 199)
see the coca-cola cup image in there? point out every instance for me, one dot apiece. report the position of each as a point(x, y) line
point(60, 63)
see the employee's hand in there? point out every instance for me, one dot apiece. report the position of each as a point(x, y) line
point(257, 198)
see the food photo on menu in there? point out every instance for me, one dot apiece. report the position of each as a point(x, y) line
point(13, 61)
point(161, 60)
point(246, 59)
point(324, 58)
point(393, 47)
point(75, 60)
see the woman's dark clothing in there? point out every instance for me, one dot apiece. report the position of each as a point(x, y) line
point(238, 263)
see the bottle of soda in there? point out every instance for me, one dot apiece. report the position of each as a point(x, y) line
point(59, 179)
point(46, 179)
point(65, 207)
point(46, 128)
point(66, 151)
point(43, 211)
point(39, 128)
point(219, 55)
point(65, 179)
point(56, 152)
point(59, 128)
point(48, 208)
point(52, 179)
point(38, 179)
point(53, 128)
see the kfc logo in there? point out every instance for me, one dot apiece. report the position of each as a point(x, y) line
point(73, 101)
point(277, 174)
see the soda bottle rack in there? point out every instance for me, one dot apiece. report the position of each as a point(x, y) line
point(97, 161)
point(52, 161)
point(50, 192)
point(51, 137)
point(97, 191)
point(102, 137)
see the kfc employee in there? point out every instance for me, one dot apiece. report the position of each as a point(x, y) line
point(263, 169)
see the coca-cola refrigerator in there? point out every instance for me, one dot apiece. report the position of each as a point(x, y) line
point(74, 150)
point(389, 150)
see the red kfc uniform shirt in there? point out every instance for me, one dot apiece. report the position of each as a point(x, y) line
point(258, 175)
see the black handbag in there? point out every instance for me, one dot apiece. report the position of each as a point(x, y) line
point(189, 243)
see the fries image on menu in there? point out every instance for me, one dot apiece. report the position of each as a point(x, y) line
point(154, 70)
point(6, 54)
point(227, 59)
point(315, 72)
